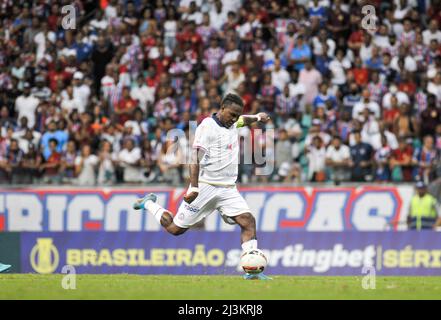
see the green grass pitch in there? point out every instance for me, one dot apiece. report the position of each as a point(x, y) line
point(124, 286)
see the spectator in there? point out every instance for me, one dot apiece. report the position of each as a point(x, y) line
point(279, 76)
point(52, 133)
point(299, 54)
point(338, 159)
point(69, 102)
point(41, 91)
point(140, 69)
point(67, 165)
point(85, 165)
point(285, 154)
point(338, 68)
point(361, 159)
point(382, 161)
point(366, 103)
point(26, 104)
point(169, 161)
point(129, 160)
point(425, 159)
point(51, 166)
point(405, 124)
point(317, 160)
point(324, 98)
point(12, 162)
point(30, 165)
point(401, 161)
point(106, 170)
point(430, 117)
point(147, 164)
point(233, 78)
point(28, 139)
point(432, 33)
point(434, 87)
point(310, 78)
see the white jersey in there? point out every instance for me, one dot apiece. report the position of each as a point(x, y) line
point(219, 166)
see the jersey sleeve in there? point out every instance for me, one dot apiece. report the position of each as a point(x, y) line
point(202, 137)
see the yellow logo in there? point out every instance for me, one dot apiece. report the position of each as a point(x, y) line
point(44, 256)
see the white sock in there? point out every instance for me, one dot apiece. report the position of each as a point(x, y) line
point(249, 245)
point(155, 209)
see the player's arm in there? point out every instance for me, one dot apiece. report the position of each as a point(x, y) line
point(247, 119)
point(192, 193)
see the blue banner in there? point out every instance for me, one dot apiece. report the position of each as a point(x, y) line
point(199, 252)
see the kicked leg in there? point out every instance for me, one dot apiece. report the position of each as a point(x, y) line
point(247, 225)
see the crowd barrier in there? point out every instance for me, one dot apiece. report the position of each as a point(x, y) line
point(365, 208)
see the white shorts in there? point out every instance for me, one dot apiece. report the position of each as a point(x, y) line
point(227, 200)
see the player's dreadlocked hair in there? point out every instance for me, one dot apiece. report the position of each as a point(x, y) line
point(231, 98)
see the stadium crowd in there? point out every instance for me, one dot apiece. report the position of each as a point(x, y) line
point(94, 104)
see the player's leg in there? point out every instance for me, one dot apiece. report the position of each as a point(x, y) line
point(190, 214)
point(233, 207)
point(187, 215)
point(163, 216)
point(235, 210)
point(247, 224)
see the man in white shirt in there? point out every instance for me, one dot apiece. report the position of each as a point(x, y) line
point(26, 104)
point(434, 87)
point(366, 102)
point(218, 16)
point(68, 101)
point(213, 175)
point(279, 76)
point(85, 165)
point(142, 93)
point(401, 96)
point(81, 91)
point(338, 67)
point(111, 11)
point(193, 14)
point(433, 33)
point(338, 157)
point(128, 159)
point(231, 56)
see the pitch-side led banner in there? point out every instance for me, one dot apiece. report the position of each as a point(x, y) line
point(199, 252)
point(368, 208)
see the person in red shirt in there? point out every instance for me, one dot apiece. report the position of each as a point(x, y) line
point(356, 40)
point(401, 161)
point(162, 62)
point(152, 79)
point(52, 20)
point(390, 115)
point(50, 168)
point(260, 12)
point(125, 107)
point(361, 73)
point(56, 75)
point(190, 34)
point(407, 84)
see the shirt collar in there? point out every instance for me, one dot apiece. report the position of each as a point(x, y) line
point(216, 119)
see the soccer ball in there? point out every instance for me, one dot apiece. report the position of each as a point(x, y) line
point(253, 261)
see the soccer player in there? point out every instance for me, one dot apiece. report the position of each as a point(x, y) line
point(213, 175)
